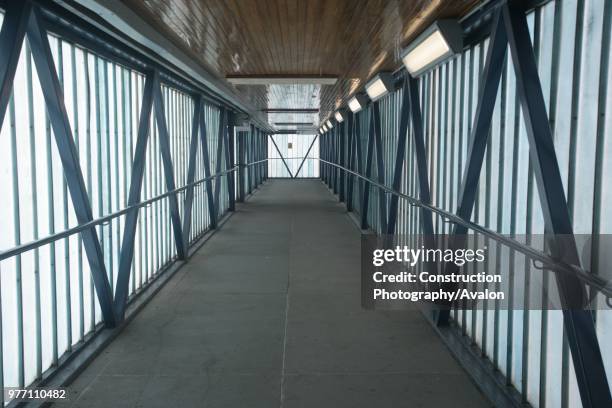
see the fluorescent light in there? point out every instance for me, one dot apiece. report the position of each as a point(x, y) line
point(379, 86)
point(441, 40)
point(325, 127)
point(357, 103)
point(339, 115)
point(329, 124)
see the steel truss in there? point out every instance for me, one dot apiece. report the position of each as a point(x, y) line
point(508, 30)
point(25, 19)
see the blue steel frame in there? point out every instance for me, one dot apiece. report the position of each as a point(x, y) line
point(220, 142)
point(126, 256)
point(509, 28)
point(230, 162)
point(191, 165)
point(282, 158)
point(212, 210)
point(54, 99)
point(305, 156)
point(350, 161)
point(27, 18)
point(241, 165)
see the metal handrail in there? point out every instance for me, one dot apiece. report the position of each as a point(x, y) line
point(534, 254)
point(28, 246)
point(553, 264)
point(253, 163)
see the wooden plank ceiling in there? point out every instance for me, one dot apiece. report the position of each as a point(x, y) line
point(350, 39)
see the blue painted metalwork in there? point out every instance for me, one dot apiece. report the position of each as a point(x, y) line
point(579, 323)
point(56, 109)
point(11, 40)
point(242, 166)
point(129, 232)
point(478, 143)
point(282, 158)
point(212, 209)
point(249, 157)
point(351, 161)
point(229, 164)
point(164, 147)
point(305, 157)
point(419, 153)
point(399, 158)
point(365, 200)
point(341, 151)
point(191, 166)
point(380, 166)
point(220, 143)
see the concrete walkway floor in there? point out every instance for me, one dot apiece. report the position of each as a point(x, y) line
point(267, 314)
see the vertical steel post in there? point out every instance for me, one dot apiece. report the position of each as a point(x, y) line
point(229, 164)
point(351, 162)
point(257, 158)
point(335, 156)
point(365, 201)
point(249, 158)
point(264, 153)
point(241, 165)
point(323, 154)
point(328, 158)
point(341, 148)
point(253, 153)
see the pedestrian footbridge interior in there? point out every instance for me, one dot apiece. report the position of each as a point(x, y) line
point(194, 193)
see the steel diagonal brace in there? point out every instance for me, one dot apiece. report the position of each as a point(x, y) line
point(193, 149)
point(306, 156)
point(578, 322)
point(56, 109)
point(126, 255)
point(281, 156)
point(164, 147)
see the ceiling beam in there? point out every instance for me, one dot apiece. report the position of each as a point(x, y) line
point(282, 79)
point(291, 110)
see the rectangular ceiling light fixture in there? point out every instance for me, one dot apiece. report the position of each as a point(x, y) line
point(293, 124)
point(438, 42)
point(281, 79)
point(357, 103)
point(379, 86)
point(329, 124)
point(340, 115)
